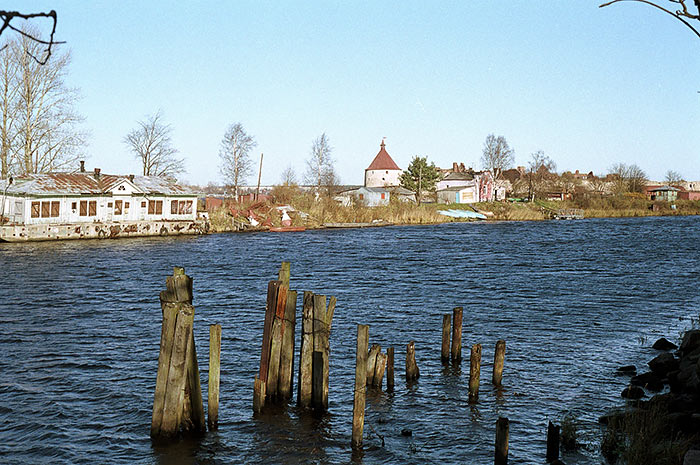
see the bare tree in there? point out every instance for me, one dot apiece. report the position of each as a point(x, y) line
point(49, 137)
point(9, 88)
point(673, 178)
point(236, 164)
point(319, 167)
point(151, 144)
point(497, 156)
point(540, 171)
point(683, 15)
point(289, 176)
point(628, 178)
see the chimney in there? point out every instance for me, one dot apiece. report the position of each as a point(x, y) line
point(82, 166)
point(455, 168)
point(131, 177)
point(97, 173)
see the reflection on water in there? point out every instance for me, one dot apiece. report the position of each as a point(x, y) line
point(573, 300)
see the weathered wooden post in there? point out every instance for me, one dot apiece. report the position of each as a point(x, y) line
point(169, 401)
point(214, 377)
point(379, 368)
point(285, 273)
point(457, 335)
point(287, 355)
point(306, 351)
point(412, 372)
point(446, 322)
point(502, 434)
point(498, 358)
point(372, 363)
point(552, 442)
point(474, 373)
point(358, 408)
point(172, 410)
point(323, 317)
point(278, 327)
point(390, 369)
point(260, 386)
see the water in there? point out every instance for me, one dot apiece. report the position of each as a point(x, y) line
point(574, 300)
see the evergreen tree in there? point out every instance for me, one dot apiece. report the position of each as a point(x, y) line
point(420, 176)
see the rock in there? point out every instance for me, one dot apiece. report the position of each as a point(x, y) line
point(687, 379)
point(648, 380)
point(692, 457)
point(629, 370)
point(691, 341)
point(664, 344)
point(663, 363)
point(406, 432)
point(633, 392)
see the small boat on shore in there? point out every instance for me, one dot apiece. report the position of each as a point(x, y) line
point(288, 229)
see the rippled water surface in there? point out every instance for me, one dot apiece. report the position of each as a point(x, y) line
point(574, 300)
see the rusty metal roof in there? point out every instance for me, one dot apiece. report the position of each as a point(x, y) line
point(383, 161)
point(87, 183)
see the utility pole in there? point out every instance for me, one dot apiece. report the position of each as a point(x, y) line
point(257, 190)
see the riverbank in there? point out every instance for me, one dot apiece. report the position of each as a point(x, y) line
point(310, 213)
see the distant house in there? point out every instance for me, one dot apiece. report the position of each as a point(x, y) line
point(374, 196)
point(689, 195)
point(383, 171)
point(92, 198)
point(466, 187)
point(664, 193)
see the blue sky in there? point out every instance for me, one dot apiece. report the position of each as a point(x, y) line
point(588, 86)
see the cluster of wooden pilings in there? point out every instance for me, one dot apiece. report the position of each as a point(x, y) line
point(178, 406)
point(273, 384)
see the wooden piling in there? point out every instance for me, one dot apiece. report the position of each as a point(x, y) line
point(446, 323)
point(379, 368)
point(474, 373)
point(284, 388)
point(412, 372)
point(214, 377)
point(502, 434)
point(306, 351)
point(372, 362)
point(194, 421)
point(173, 401)
point(166, 345)
point(276, 337)
point(323, 317)
point(358, 408)
point(457, 335)
point(552, 442)
point(390, 369)
point(498, 359)
point(270, 310)
point(284, 273)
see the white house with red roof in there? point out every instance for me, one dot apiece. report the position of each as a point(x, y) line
point(383, 171)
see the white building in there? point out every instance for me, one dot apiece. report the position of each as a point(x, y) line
point(383, 171)
point(94, 198)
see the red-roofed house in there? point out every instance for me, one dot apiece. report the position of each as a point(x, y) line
point(383, 171)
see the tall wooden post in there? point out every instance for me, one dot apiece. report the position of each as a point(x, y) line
point(446, 323)
point(285, 273)
point(278, 327)
point(457, 335)
point(390, 369)
point(379, 368)
point(261, 380)
point(306, 351)
point(214, 377)
point(498, 358)
point(474, 373)
point(167, 336)
point(287, 355)
point(552, 442)
point(323, 317)
point(502, 434)
point(358, 408)
point(412, 372)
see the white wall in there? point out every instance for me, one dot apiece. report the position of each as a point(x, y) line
point(381, 178)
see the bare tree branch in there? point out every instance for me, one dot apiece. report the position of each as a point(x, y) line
point(678, 14)
point(7, 16)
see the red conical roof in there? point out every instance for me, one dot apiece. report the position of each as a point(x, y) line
point(383, 161)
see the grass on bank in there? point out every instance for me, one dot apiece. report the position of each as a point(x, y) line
point(325, 210)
